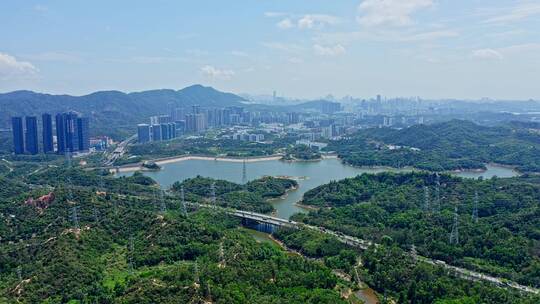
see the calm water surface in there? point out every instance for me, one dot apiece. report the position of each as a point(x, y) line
point(308, 174)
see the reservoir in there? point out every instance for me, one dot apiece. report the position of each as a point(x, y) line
point(308, 174)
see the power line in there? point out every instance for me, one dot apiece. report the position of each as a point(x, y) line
point(75, 217)
point(213, 193)
point(244, 173)
point(19, 272)
point(96, 214)
point(131, 252)
point(221, 254)
point(454, 235)
point(68, 178)
point(196, 272)
point(437, 192)
point(475, 208)
point(426, 199)
point(162, 206)
point(183, 200)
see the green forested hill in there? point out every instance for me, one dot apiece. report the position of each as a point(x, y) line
point(404, 207)
point(451, 145)
point(108, 240)
point(121, 249)
point(251, 197)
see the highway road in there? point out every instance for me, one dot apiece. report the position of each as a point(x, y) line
point(118, 151)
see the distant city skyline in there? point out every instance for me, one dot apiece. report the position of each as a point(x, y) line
point(301, 49)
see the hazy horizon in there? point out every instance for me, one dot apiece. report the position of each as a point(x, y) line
point(289, 98)
point(302, 49)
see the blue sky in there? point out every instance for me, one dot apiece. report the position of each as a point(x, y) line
point(300, 48)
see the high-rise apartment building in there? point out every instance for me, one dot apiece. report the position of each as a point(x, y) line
point(328, 107)
point(72, 133)
point(143, 133)
point(18, 134)
point(60, 133)
point(83, 132)
point(156, 132)
point(165, 131)
point(31, 135)
point(172, 130)
point(195, 123)
point(47, 133)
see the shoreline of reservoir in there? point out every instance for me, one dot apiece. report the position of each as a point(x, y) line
point(176, 159)
point(181, 158)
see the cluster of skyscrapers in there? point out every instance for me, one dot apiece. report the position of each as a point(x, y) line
point(72, 134)
point(156, 132)
point(195, 120)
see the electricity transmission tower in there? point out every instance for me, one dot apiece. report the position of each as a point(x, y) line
point(475, 208)
point(196, 272)
point(221, 254)
point(131, 253)
point(68, 178)
point(75, 217)
point(414, 252)
point(244, 174)
point(162, 206)
point(454, 235)
point(438, 192)
point(183, 200)
point(426, 198)
point(19, 272)
point(96, 215)
point(101, 184)
point(213, 193)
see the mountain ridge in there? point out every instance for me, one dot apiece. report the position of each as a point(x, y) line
point(113, 113)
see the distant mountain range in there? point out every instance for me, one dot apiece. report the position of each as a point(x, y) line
point(113, 112)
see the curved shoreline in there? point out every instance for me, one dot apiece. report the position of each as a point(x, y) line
point(175, 159)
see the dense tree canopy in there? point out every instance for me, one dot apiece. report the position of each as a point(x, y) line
point(122, 249)
point(250, 197)
point(452, 145)
point(503, 241)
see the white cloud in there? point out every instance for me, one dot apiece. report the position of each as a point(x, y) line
point(11, 68)
point(285, 24)
point(390, 12)
point(334, 50)
point(508, 51)
point(520, 12)
point(487, 54)
point(215, 73)
point(316, 21)
point(306, 22)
